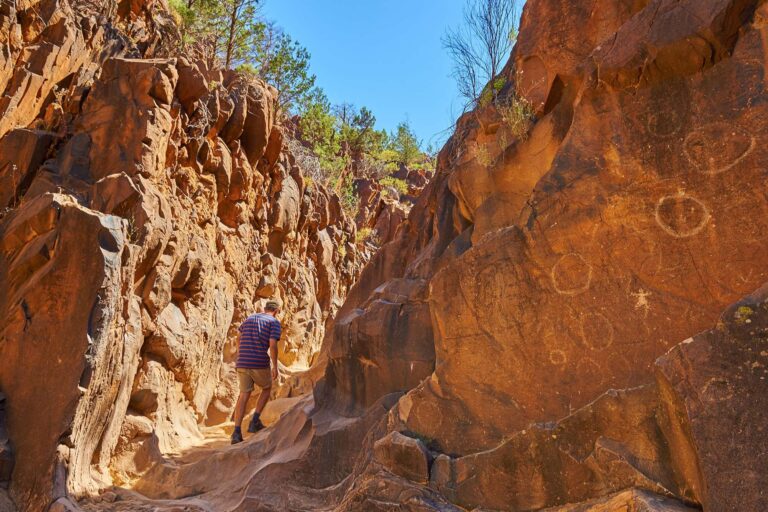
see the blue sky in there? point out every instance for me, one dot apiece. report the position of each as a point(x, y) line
point(382, 54)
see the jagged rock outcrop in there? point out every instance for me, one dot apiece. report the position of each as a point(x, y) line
point(382, 209)
point(524, 329)
point(566, 321)
point(148, 206)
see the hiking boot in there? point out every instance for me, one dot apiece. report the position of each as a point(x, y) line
point(237, 437)
point(255, 425)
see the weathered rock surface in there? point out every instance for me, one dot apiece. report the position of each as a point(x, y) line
point(147, 207)
point(382, 210)
point(404, 456)
point(517, 344)
point(6, 461)
point(551, 268)
point(6, 504)
point(716, 415)
point(635, 500)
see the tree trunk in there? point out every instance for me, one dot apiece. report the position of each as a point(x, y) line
point(232, 31)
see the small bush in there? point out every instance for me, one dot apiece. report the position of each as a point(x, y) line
point(429, 165)
point(517, 113)
point(400, 185)
point(182, 14)
point(349, 200)
point(483, 157)
point(363, 234)
point(491, 91)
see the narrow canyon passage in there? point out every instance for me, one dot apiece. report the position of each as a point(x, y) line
point(564, 310)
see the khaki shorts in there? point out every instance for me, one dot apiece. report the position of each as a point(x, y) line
point(247, 377)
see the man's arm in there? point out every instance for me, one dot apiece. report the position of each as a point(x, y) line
point(273, 357)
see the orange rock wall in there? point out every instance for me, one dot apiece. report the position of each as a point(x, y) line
point(148, 206)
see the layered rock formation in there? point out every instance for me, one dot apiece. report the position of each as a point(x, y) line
point(536, 300)
point(567, 320)
point(383, 209)
point(148, 206)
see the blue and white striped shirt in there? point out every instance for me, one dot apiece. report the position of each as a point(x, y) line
point(255, 333)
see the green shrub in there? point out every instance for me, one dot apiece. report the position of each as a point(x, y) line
point(349, 200)
point(491, 91)
point(400, 185)
point(405, 144)
point(517, 113)
point(363, 234)
point(181, 13)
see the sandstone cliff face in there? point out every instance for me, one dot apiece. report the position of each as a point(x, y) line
point(534, 304)
point(567, 320)
point(148, 206)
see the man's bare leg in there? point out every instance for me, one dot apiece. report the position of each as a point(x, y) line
point(256, 423)
point(242, 402)
point(261, 402)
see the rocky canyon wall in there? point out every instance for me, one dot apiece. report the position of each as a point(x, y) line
point(148, 206)
point(561, 264)
point(573, 317)
point(568, 319)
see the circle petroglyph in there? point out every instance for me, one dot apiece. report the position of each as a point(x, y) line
point(428, 413)
point(558, 357)
point(596, 331)
point(571, 275)
point(495, 286)
point(681, 216)
point(717, 390)
point(718, 147)
point(664, 123)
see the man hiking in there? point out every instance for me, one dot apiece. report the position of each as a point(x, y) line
point(256, 347)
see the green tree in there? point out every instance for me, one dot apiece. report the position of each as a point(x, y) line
point(234, 33)
point(241, 28)
point(405, 144)
point(358, 132)
point(284, 63)
point(223, 30)
point(319, 127)
point(317, 123)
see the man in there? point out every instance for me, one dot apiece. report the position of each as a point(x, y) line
point(256, 347)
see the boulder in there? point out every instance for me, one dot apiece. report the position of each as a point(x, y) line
point(127, 118)
point(191, 85)
point(267, 286)
point(45, 248)
point(716, 416)
point(403, 456)
point(364, 365)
